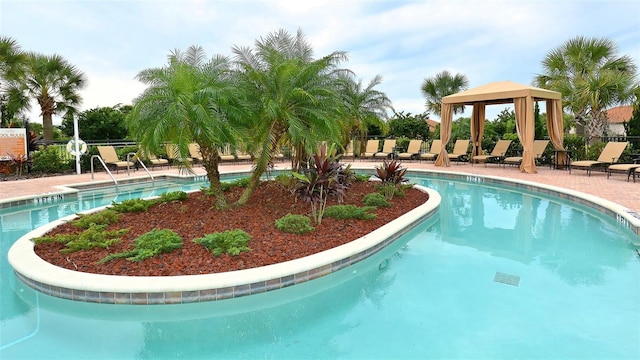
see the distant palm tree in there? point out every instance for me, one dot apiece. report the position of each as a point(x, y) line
point(363, 106)
point(294, 97)
point(591, 77)
point(189, 100)
point(12, 67)
point(54, 83)
point(441, 85)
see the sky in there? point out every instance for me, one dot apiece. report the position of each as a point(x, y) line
point(405, 42)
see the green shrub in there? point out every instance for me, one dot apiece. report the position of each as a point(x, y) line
point(362, 177)
point(149, 244)
point(294, 224)
point(242, 183)
point(232, 242)
point(172, 196)
point(92, 238)
point(131, 205)
point(375, 199)
point(104, 217)
point(350, 212)
point(49, 160)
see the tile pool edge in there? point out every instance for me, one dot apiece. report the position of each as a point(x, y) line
point(111, 289)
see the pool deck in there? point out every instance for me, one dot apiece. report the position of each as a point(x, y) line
point(615, 189)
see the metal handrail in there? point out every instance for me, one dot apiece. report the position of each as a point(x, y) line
point(105, 167)
point(137, 158)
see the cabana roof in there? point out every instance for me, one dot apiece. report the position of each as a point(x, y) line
point(501, 92)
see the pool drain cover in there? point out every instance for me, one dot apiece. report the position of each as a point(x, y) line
point(507, 279)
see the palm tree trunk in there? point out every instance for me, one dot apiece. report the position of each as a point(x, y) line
point(211, 164)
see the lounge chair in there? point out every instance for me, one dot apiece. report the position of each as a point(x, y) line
point(194, 152)
point(413, 150)
point(460, 151)
point(497, 154)
point(629, 169)
point(173, 153)
point(110, 157)
point(609, 155)
point(371, 150)
point(539, 146)
point(388, 148)
point(152, 159)
point(434, 151)
point(348, 152)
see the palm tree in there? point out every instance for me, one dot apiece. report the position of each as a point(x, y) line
point(363, 106)
point(591, 78)
point(189, 100)
point(54, 83)
point(441, 85)
point(12, 66)
point(294, 97)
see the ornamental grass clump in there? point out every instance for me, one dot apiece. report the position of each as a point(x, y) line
point(232, 242)
point(104, 217)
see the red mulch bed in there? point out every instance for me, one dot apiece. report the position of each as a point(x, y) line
point(197, 217)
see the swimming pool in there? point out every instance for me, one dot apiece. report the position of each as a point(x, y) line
point(498, 273)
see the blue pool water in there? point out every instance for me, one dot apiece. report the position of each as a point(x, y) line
point(498, 273)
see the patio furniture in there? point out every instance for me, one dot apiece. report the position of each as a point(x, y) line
point(434, 151)
point(413, 150)
point(460, 151)
point(110, 157)
point(609, 155)
point(499, 150)
point(371, 149)
point(538, 149)
point(387, 149)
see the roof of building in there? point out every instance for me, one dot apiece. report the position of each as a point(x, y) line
point(620, 114)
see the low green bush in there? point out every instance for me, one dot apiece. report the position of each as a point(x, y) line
point(362, 177)
point(375, 199)
point(341, 212)
point(172, 196)
point(232, 242)
point(294, 224)
point(149, 244)
point(104, 217)
point(242, 182)
point(49, 160)
point(92, 238)
point(131, 205)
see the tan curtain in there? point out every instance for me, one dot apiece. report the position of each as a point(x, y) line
point(477, 127)
point(446, 116)
point(526, 132)
point(555, 127)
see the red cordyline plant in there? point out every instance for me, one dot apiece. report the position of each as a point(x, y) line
point(391, 173)
point(19, 162)
point(324, 178)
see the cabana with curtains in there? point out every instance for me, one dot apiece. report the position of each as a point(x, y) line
point(506, 92)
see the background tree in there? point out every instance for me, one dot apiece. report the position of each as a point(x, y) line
point(189, 100)
point(441, 85)
point(409, 125)
point(101, 123)
point(12, 67)
point(293, 97)
point(591, 78)
point(54, 83)
point(365, 109)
